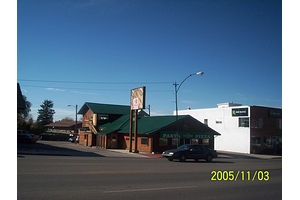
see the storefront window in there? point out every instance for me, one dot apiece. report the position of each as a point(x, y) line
point(174, 141)
point(186, 141)
point(267, 142)
point(205, 141)
point(255, 141)
point(195, 141)
point(163, 141)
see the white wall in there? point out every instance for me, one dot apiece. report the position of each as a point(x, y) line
point(232, 138)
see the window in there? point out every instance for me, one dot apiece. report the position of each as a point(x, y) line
point(205, 141)
point(128, 138)
point(218, 120)
point(256, 141)
point(206, 121)
point(256, 144)
point(187, 141)
point(144, 141)
point(195, 141)
point(163, 141)
point(279, 124)
point(174, 141)
point(103, 117)
point(257, 122)
point(244, 122)
point(267, 142)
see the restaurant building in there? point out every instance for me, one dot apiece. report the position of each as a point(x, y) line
point(108, 126)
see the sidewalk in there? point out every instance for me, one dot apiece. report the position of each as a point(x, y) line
point(70, 149)
point(228, 154)
point(140, 153)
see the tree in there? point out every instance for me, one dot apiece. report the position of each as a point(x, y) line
point(67, 119)
point(45, 114)
point(24, 120)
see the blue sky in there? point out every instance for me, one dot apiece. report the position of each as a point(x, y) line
point(75, 51)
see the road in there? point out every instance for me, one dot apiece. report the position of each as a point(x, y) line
point(119, 177)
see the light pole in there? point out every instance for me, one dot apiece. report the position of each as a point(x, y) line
point(176, 91)
point(75, 118)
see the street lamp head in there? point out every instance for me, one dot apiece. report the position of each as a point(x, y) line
point(200, 73)
point(72, 105)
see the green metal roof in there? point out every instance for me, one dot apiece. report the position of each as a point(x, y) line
point(104, 108)
point(148, 125)
point(114, 126)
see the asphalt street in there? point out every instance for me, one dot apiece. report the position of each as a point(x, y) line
point(62, 170)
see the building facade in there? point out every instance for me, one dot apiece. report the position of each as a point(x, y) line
point(108, 126)
point(244, 129)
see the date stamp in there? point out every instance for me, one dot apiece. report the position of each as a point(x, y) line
point(231, 175)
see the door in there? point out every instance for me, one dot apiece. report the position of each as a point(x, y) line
point(199, 152)
point(195, 152)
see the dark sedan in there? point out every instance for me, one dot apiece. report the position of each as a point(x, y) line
point(190, 151)
point(25, 138)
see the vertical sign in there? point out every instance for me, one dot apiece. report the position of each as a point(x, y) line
point(137, 99)
point(137, 102)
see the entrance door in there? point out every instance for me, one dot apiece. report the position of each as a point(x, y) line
point(121, 142)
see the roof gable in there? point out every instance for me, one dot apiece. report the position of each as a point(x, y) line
point(63, 124)
point(114, 126)
point(104, 108)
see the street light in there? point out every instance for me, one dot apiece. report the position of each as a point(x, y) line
point(75, 118)
point(176, 91)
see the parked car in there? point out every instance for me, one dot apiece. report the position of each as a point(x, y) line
point(25, 138)
point(22, 132)
point(74, 139)
point(190, 151)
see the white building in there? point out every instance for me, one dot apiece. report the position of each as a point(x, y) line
point(244, 129)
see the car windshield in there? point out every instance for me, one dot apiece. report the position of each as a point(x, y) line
point(25, 136)
point(184, 147)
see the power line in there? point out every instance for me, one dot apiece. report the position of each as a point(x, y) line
point(95, 89)
point(94, 82)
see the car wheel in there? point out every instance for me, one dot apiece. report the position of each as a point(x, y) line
point(209, 158)
point(182, 157)
point(170, 159)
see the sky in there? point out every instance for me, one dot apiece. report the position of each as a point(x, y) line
point(77, 51)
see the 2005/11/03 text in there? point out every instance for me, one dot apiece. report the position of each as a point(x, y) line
point(232, 175)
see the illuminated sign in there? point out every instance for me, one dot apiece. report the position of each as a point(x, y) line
point(239, 112)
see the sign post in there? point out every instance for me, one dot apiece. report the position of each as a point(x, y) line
point(137, 102)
